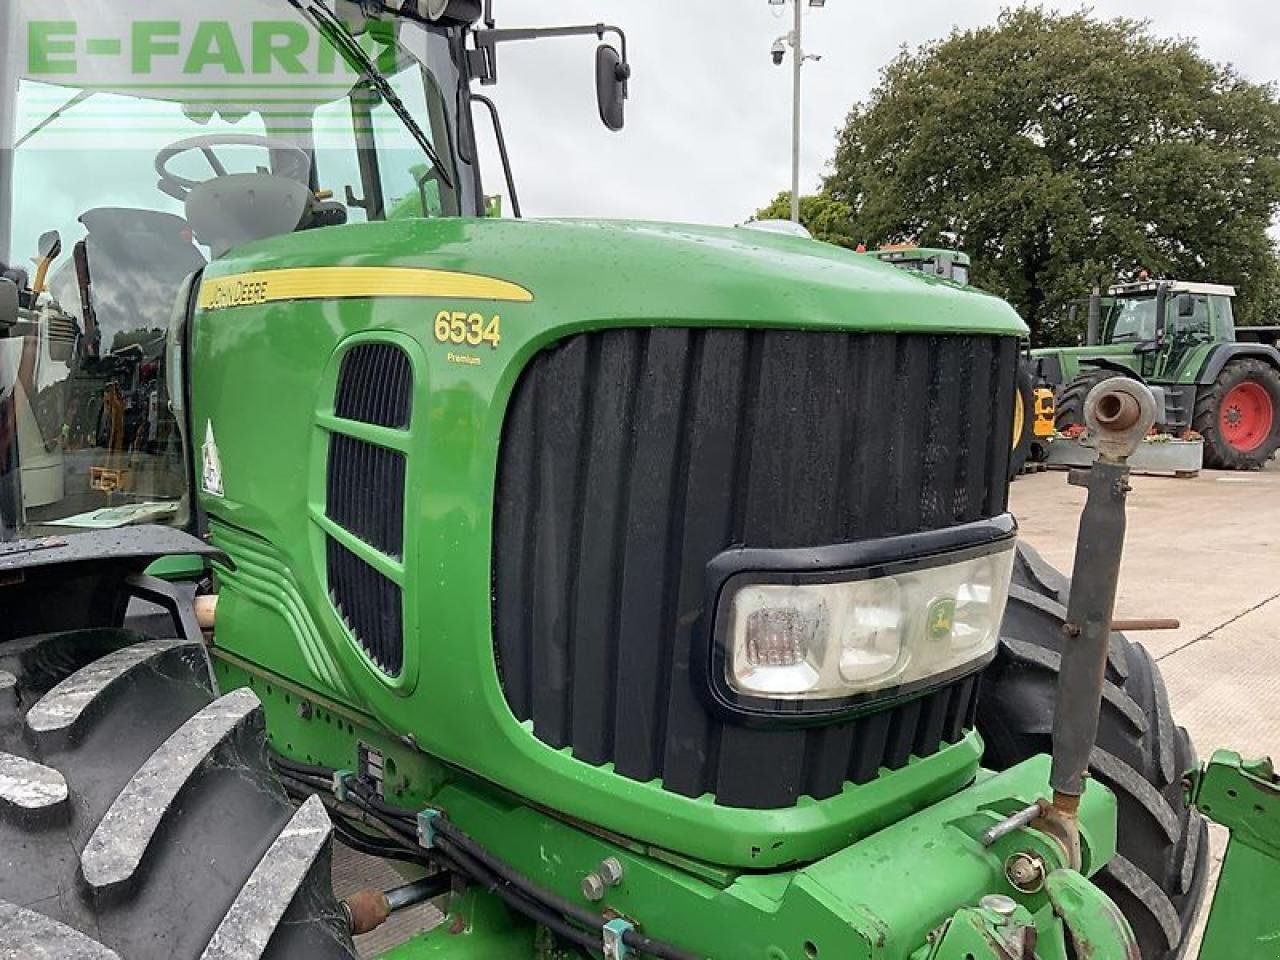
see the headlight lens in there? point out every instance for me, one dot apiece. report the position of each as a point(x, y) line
point(836, 640)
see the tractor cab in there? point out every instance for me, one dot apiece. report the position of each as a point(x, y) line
point(1158, 323)
point(138, 145)
point(931, 261)
point(138, 160)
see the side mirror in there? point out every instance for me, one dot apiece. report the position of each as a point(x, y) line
point(612, 74)
point(8, 304)
point(1186, 306)
point(48, 249)
point(49, 246)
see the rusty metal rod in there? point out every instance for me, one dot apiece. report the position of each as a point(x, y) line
point(1146, 623)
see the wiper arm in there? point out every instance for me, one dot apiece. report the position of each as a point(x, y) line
point(332, 27)
point(78, 99)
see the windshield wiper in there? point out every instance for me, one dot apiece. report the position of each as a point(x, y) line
point(78, 99)
point(328, 23)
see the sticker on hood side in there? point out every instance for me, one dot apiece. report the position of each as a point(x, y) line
point(211, 470)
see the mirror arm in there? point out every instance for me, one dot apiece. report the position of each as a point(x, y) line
point(502, 151)
point(484, 58)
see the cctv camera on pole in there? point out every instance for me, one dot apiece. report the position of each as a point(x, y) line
point(779, 52)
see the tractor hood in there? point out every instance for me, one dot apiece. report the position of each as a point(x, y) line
point(623, 271)
point(318, 355)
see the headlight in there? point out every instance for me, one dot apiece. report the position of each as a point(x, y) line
point(824, 641)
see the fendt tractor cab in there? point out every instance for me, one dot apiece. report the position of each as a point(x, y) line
point(637, 590)
point(1180, 338)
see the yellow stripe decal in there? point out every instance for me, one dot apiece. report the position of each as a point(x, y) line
point(344, 283)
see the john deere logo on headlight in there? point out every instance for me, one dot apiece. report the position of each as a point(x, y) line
point(942, 617)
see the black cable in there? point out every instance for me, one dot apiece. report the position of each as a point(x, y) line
point(519, 902)
point(519, 891)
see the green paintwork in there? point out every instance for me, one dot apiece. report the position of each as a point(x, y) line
point(1070, 357)
point(1095, 927)
point(1244, 798)
point(180, 567)
point(878, 897)
point(272, 418)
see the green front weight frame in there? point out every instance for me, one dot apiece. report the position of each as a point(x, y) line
point(1244, 797)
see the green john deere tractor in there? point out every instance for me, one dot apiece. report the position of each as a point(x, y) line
point(1033, 416)
point(638, 590)
point(1181, 339)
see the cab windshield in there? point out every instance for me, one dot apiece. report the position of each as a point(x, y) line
point(1129, 320)
point(146, 139)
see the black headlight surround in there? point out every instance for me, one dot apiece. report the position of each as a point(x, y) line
point(838, 563)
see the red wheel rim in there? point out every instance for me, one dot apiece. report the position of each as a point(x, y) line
point(1245, 416)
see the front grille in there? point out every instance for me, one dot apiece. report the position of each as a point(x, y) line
point(366, 492)
point(632, 457)
point(375, 385)
point(369, 604)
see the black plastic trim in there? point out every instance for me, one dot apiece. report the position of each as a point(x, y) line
point(838, 563)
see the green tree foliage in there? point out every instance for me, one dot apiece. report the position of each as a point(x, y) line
point(1060, 151)
point(827, 218)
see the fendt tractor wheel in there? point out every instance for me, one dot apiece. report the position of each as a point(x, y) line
point(1069, 402)
point(1239, 416)
point(1024, 420)
point(1159, 874)
point(139, 818)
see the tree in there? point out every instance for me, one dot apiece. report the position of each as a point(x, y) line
point(827, 218)
point(1061, 151)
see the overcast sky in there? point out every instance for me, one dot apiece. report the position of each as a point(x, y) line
point(709, 119)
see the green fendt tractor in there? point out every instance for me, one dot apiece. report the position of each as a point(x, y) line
point(1181, 339)
point(638, 590)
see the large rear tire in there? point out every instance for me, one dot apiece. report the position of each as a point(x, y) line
point(1069, 401)
point(139, 818)
point(1239, 416)
point(1024, 420)
point(1159, 875)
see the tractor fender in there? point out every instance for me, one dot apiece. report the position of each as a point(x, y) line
point(1219, 358)
point(1105, 364)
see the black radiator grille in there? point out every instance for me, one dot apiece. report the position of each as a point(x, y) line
point(369, 604)
point(631, 457)
point(375, 385)
point(366, 492)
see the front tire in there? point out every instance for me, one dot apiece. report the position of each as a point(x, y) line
point(1159, 874)
point(1239, 416)
point(1069, 402)
point(139, 819)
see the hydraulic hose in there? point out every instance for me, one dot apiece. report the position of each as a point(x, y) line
point(462, 854)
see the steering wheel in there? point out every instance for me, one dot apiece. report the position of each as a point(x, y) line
point(287, 159)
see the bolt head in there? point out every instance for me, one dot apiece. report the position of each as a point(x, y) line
point(593, 887)
point(999, 904)
point(610, 871)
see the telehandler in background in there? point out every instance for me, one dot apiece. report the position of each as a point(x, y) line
point(639, 590)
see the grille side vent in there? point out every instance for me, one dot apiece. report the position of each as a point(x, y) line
point(369, 604)
point(366, 492)
point(375, 385)
point(365, 488)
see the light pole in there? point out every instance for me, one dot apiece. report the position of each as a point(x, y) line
point(795, 40)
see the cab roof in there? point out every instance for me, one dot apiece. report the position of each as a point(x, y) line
point(1175, 286)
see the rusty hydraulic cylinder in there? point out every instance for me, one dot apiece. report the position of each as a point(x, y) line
point(1118, 413)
